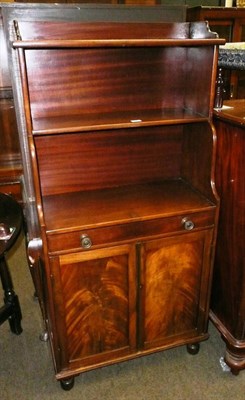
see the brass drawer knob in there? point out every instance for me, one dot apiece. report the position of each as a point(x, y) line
point(188, 224)
point(86, 242)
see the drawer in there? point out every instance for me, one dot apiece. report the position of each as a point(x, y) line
point(132, 231)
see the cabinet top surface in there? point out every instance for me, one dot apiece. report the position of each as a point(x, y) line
point(232, 111)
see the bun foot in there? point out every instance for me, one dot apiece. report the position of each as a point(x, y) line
point(193, 348)
point(67, 384)
point(235, 371)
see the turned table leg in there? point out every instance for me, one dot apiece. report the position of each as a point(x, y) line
point(11, 309)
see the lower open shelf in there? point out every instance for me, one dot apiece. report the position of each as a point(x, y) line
point(99, 208)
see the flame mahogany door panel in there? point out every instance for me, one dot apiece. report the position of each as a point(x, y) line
point(175, 285)
point(112, 302)
point(94, 295)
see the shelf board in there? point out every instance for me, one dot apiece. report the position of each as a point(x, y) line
point(114, 120)
point(71, 211)
point(100, 43)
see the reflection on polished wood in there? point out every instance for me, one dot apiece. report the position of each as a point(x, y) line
point(122, 149)
point(228, 294)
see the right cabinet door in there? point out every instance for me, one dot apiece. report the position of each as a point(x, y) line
point(175, 286)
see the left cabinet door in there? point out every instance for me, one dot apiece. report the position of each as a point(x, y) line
point(94, 299)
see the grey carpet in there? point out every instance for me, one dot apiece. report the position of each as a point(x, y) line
point(26, 370)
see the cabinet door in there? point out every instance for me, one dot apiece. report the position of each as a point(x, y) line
point(175, 284)
point(94, 297)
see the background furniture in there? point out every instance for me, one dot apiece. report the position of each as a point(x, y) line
point(228, 293)
point(229, 23)
point(232, 56)
point(10, 226)
point(10, 158)
point(123, 160)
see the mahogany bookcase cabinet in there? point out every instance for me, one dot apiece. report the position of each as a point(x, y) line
point(118, 127)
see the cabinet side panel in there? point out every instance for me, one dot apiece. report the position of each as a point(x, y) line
point(198, 163)
point(228, 295)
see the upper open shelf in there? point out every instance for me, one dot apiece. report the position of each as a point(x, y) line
point(85, 76)
point(116, 120)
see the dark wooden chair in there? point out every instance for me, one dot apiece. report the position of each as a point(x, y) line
point(10, 227)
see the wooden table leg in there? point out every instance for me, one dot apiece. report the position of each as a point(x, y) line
point(11, 309)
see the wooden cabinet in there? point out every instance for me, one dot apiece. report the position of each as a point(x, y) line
point(228, 293)
point(10, 158)
point(122, 153)
point(229, 23)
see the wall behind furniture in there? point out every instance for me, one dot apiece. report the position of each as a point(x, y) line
point(147, 2)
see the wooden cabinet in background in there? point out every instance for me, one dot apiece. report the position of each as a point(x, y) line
point(228, 293)
point(229, 23)
point(122, 148)
point(10, 158)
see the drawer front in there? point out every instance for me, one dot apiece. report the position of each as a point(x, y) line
point(86, 239)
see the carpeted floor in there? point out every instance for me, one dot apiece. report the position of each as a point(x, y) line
point(26, 371)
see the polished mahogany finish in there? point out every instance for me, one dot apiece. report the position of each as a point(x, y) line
point(228, 293)
point(10, 157)
point(122, 151)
